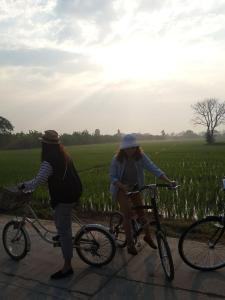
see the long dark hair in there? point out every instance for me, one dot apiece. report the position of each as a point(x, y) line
point(54, 153)
point(121, 154)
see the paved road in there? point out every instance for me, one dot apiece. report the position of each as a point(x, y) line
point(126, 277)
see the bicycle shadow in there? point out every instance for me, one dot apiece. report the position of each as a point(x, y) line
point(210, 283)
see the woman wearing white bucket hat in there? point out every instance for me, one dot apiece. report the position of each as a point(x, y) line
point(127, 169)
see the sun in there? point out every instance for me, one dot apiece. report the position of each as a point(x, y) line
point(138, 60)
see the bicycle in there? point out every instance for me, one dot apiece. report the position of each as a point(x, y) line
point(116, 227)
point(93, 242)
point(202, 245)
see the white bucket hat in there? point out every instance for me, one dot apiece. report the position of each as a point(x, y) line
point(128, 141)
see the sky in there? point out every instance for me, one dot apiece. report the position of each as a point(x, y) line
point(136, 65)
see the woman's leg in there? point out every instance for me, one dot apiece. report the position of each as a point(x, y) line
point(63, 222)
point(125, 208)
point(137, 200)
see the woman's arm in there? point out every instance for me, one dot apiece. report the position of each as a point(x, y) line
point(113, 172)
point(44, 172)
point(150, 166)
point(114, 176)
point(166, 179)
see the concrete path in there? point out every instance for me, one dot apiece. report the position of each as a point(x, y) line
point(126, 277)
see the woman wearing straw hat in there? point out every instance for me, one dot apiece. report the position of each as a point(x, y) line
point(57, 169)
point(127, 169)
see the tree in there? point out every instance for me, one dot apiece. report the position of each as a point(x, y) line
point(163, 134)
point(209, 113)
point(97, 132)
point(5, 126)
point(189, 134)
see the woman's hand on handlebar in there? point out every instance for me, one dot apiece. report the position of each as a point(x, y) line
point(173, 183)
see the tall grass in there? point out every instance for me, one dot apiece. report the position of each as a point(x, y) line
point(197, 167)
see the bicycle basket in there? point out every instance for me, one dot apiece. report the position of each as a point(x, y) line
point(12, 199)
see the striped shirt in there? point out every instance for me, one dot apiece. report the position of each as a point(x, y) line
point(44, 172)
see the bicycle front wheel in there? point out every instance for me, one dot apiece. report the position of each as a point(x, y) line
point(165, 255)
point(15, 240)
point(116, 228)
point(95, 245)
point(202, 245)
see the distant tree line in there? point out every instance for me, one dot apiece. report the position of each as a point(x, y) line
point(9, 140)
point(209, 113)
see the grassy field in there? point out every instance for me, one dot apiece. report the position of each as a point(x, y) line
point(197, 167)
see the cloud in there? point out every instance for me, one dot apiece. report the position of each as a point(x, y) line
point(95, 16)
point(35, 57)
point(43, 64)
point(100, 10)
point(98, 63)
point(152, 5)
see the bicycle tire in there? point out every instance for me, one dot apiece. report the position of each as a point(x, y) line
point(165, 255)
point(116, 228)
point(19, 238)
point(204, 235)
point(90, 245)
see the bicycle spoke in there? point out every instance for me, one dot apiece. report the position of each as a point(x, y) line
point(95, 246)
point(202, 245)
point(14, 240)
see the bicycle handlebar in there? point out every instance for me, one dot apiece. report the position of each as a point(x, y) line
point(153, 186)
point(160, 185)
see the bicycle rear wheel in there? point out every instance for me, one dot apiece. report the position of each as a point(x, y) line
point(202, 245)
point(95, 245)
point(165, 255)
point(116, 228)
point(15, 240)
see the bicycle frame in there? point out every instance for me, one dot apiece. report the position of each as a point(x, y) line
point(43, 234)
point(153, 194)
point(89, 240)
point(152, 189)
point(163, 247)
point(217, 234)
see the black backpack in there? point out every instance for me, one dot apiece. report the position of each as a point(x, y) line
point(72, 183)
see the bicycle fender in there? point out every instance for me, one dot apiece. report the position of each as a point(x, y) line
point(91, 226)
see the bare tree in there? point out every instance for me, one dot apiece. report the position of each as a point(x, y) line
point(209, 113)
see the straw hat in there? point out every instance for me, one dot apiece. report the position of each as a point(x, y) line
point(50, 137)
point(128, 141)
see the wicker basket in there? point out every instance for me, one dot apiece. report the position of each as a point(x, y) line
point(12, 199)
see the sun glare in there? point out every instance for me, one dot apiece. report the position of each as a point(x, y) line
point(138, 61)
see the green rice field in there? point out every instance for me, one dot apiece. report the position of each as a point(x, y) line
point(197, 167)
